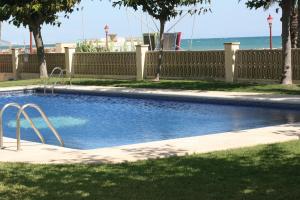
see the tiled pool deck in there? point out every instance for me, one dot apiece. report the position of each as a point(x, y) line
point(38, 153)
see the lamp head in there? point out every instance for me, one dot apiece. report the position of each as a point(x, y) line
point(270, 20)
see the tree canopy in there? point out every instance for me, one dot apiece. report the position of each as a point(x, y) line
point(261, 3)
point(163, 10)
point(33, 14)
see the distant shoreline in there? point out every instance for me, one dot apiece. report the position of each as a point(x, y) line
point(231, 37)
point(259, 42)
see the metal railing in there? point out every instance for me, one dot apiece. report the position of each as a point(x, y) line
point(21, 110)
point(26, 117)
point(60, 77)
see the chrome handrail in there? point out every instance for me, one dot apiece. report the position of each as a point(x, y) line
point(43, 115)
point(26, 117)
point(60, 77)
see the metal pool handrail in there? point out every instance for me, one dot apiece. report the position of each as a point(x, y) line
point(60, 77)
point(43, 115)
point(26, 117)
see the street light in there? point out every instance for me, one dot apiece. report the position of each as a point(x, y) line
point(106, 29)
point(270, 21)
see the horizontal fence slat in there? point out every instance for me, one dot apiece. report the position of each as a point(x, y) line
point(188, 64)
point(52, 59)
point(264, 65)
point(258, 65)
point(250, 65)
point(6, 63)
point(105, 64)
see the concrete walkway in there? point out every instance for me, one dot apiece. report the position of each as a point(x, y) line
point(38, 153)
point(190, 95)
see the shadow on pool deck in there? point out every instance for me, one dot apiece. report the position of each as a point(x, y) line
point(135, 153)
point(125, 154)
point(154, 152)
point(38, 153)
point(139, 92)
point(35, 152)
point(290, 132)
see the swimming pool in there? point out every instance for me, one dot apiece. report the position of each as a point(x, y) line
point(92, 121)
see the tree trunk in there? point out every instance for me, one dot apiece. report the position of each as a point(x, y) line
point(0, 30)
point(298, 12)
point(294, 28)
point(36, 30)
point(287, 6)
point(161, 48)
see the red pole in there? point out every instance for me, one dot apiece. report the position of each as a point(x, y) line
point(178, 41)
point(31, 51)
point(271, 42)
point(106, 40)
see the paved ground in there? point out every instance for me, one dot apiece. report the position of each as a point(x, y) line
point(38, 153)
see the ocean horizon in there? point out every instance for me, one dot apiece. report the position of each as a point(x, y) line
point(261, 42)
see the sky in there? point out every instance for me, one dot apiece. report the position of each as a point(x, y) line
point(227, 19)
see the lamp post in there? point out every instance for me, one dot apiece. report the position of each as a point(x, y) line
point(106, 29)
point(270, 21)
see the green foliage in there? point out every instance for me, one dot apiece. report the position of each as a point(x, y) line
point(35, 12)
point(255, 4)
point(85, 47)
point(88, 47)
point(164, 9)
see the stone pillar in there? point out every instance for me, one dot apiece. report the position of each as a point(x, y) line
point(230, 52)
point(15, 63)
point(69, 55)
point(140, 61)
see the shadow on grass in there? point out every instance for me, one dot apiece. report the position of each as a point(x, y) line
point(173, 84)
point(264, 172)
point(195, 85)
point(279, 90)
point(164, 84)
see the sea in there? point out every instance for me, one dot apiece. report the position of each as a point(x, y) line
point(218, 43)
point(214, 43)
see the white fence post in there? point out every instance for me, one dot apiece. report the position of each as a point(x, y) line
point(140, 61)
point(69, 53)
point(230, 52)
point(15, 63)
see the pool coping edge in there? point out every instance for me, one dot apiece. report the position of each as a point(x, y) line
point(277, 100)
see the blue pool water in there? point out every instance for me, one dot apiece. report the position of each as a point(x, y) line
point(88, 122)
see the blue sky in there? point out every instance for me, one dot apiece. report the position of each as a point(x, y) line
point(228, 19)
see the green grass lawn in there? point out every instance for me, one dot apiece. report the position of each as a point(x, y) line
point(20, 83)
point(258, 173)
point(176, 84)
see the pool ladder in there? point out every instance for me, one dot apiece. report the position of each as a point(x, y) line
point(21, 110)
point(60, 77)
